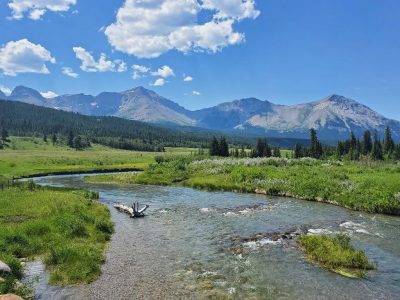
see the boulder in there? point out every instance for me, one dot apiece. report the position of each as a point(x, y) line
point(4, 268)
point(10, 297)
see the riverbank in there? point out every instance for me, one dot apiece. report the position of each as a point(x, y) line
point(370, 187)
point(67, 229)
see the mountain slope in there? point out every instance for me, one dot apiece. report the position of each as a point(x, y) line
point(334, 117)
point(27, 95)
point(144, 105)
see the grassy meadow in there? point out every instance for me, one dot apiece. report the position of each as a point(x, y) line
point(28, 156)
point(372, 187)
point(67, 229)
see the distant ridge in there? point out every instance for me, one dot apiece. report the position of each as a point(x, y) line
point(334, 117)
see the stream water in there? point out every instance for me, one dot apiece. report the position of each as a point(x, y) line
point(196, 244)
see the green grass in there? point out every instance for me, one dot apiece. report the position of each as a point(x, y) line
point(30, 156)
point(372, 187)
point(335, 253)
point(67, 229)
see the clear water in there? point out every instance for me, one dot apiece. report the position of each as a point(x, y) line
point(192, 245)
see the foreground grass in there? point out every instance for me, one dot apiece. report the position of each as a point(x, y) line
point(28, 156)
point(335, 253)
point(67, 229)
point(373, 187)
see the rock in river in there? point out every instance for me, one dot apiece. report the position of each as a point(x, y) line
point(4, 268)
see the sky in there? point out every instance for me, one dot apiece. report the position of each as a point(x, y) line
point(200, 53)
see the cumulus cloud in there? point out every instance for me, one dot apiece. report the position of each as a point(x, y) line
point(24, 57)
point(49, 94)
point(141, 69)
point(6, 90)
point(159, 82)
point(196, 93)
point(35, 9)
point(89, 64)
point(164, 72)
point(149, 28)
point(188, 79)
point(69, 72)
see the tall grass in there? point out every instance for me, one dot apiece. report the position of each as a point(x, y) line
point(335, 253)
point(67, 229)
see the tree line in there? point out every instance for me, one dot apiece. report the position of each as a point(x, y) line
point(370, 146)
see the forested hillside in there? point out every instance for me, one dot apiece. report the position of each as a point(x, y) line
point(24, 120)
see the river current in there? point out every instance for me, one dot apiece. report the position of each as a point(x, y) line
point(196, 244)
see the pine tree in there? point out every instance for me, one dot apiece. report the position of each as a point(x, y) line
point(223, 147)
point(388, 143)
point(70, 140)
point(4, 138)
point(367, 143)
point(377, 152)
point(277, 152)
point(214, 147)
point(316, 147)
point(54, 139)
point(340, 151)
point(260, 148)
point(45, 138)
point(77, 143)
point(396, 154)
point(298, 151)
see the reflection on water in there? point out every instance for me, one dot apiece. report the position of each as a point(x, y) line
point(197, 244)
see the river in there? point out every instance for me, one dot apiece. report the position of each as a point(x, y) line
point(196, 244)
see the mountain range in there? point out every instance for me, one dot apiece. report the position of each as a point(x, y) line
point(334, 117)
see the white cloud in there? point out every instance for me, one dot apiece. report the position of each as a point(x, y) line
point(24, 57)
point(149, 28)
point(6, 90)
point(235, 9)
point(188, 79)
point(35, 9)
point(49, 94)
point(69, 72)
point(164, 72)
point(89, 64)
point(141, 69)
point(136, 75)
point(159, 82)
point(196, 93)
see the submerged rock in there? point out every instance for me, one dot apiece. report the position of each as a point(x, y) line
point(4, 268)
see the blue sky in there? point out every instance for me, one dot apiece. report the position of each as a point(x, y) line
point(284, 51)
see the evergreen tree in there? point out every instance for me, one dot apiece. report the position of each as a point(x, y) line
point(70, 139)
point(316, 147)
point(298, 151)
point(367, 143)
point(4, 138)
point(277, 152)
point(214, 147)
point(388, 143)
point(45, 138)
point(396, 154)
point(340, 151)
point(268, 150)
point(223, 147)
point(260, 147)
point(377, 152)
point(77, 143)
